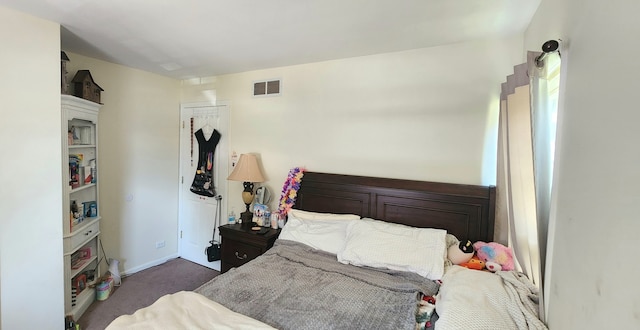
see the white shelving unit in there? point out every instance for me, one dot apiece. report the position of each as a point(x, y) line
point(80, 218)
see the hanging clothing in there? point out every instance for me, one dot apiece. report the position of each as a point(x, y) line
point(203, 181)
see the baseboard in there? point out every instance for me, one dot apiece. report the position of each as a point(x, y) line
point(150, 264)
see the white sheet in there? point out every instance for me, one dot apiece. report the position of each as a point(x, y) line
point(473, 299)
point(185, 310)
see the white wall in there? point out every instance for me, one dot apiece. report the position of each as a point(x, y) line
point(31, 275)
point(592, 278)
point(138, 136)
point(423, 114)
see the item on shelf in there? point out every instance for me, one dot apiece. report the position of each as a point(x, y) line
point(90, 209)
point(75, 163)
point(79, 257)
point(85, 87)
point(79, 135)
point(86, 172)
point(74, 135)
point(93, 210)
point(79, 283)
point(74, 172)
point(63, 72)
point(90, 274)
point(84, 134)
point(77, 213)
point(92, 163)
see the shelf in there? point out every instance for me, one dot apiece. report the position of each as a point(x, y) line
point(77, 146)
point(80, 188)
point(84, 264)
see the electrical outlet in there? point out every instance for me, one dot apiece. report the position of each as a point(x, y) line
point(159, 244)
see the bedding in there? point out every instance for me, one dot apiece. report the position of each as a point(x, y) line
point(325, 235)
point(292, 279)
point(387, 245)
point(185, 310)
point(472, 299)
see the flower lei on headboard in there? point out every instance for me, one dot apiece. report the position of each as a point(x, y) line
point(290, 190)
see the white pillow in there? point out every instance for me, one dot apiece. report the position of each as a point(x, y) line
point(325, 235)
point(307, 215)
point(387, 245)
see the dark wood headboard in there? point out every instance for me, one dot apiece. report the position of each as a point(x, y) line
point(466, 211)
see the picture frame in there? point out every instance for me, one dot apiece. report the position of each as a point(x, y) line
point(79, 283)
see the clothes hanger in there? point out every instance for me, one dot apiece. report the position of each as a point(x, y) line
point(207, 128)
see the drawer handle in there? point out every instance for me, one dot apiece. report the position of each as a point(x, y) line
point(244, 256)
point(89, 232)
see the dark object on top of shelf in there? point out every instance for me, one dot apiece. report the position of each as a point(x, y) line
point(63, 71)
point(85, 87)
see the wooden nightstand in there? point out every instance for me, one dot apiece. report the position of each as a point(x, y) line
point(240, 246)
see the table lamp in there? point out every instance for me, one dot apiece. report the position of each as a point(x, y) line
point(247, 171)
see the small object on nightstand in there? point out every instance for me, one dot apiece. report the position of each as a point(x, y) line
point(232, 217)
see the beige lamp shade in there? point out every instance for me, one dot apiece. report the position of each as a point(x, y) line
point(247, 170)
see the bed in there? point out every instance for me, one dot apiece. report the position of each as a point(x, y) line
point(366, 271)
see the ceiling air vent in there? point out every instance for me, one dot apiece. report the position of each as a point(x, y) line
point(266, 88)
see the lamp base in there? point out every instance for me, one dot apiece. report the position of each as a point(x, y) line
point(247, 198)
point(247, 219)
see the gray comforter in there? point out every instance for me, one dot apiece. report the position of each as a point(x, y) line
point(292, 286)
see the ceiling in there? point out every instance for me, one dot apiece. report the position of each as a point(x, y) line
point(199, 38)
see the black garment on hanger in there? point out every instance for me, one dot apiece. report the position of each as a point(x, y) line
point(203, 181)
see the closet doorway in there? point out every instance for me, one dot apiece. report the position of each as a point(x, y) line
point(197, 203)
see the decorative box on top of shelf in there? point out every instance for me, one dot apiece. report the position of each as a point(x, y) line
point(81, 218)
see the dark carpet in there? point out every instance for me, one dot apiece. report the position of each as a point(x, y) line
point(143, 288)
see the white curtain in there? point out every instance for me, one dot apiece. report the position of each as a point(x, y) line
point(526, 145)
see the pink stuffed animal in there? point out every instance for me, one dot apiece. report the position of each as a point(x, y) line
point(495, 256)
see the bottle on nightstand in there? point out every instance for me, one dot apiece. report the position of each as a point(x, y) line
point(232, 217)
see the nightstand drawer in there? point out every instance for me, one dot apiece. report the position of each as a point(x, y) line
point(241, 245)
point(236, 253)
